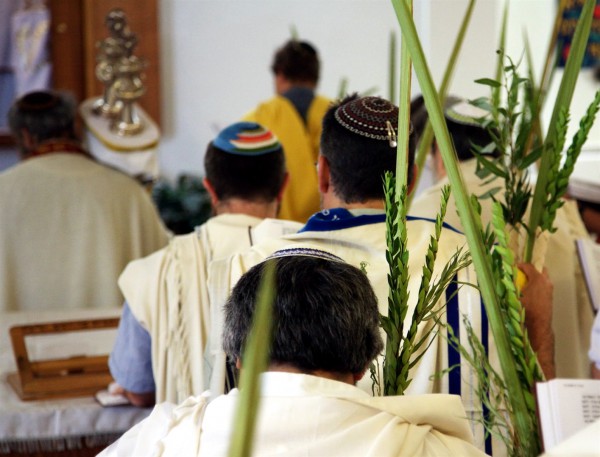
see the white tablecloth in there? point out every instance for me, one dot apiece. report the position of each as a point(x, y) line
point(58, 424)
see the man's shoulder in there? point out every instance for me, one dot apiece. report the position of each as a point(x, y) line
point(321, 102)
point(273, 107)
point(229, 220)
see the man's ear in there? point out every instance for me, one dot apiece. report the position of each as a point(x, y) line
point(358, 376)
point(323, 174)
point(27, 139)
point(286, 180)
point(238, 363)
point(214, 199)
point(282, 84)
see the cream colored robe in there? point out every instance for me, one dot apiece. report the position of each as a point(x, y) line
point(301, 415)
point(365, 246)
point(572, 311)
point(68, 227)
point(167, 294)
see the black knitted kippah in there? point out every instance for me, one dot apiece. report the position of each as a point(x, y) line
point(371, 117)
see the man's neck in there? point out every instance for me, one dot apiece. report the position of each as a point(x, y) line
point(331, 201)
point(348, 378)
point(62, 145)
point(260, 210)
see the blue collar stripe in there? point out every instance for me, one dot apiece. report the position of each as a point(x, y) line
point(452, 313)
point(340, 218)
point(486, 345)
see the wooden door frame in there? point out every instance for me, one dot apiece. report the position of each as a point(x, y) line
point(77, 25)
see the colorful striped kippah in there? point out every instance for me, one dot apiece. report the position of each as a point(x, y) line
point(371, 117)
point(248, 139)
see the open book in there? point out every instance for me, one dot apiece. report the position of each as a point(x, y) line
point(589, 257)
point(567, 406)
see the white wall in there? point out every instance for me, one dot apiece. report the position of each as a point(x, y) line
point(535, 18)
point(215, 55)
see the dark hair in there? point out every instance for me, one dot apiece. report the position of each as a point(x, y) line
point(252, 178)
point(464, 136)
point(357, 164)
point(325, 315)
point(418, 116)
point(44, 115)
point(298, 61)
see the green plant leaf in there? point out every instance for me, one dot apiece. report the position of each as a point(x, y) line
point(488, 82)
point(255, 361)
point(563, 100)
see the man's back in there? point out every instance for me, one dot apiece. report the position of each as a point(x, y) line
point(167, 295)
point(360, 241)
point(69, 227)
point(302, 415)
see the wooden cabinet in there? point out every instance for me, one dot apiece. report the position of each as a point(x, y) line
point(76, 27)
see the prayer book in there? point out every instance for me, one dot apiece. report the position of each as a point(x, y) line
point(585, 443)
point(565, 407)
point(588, 252)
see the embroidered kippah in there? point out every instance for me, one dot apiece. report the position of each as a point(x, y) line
point(248, 139)
point(305, 252)
point(371, 117)
point(463, 112)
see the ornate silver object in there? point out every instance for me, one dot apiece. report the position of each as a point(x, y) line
point(122, 75)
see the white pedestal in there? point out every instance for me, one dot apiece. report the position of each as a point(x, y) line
point(136, 155)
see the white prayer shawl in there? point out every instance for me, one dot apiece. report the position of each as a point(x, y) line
point(365, 246)
point(301, 415)
point(68, 227)
point(167, 294)
point(572, 312)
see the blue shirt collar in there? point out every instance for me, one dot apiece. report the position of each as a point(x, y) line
point(340, 218)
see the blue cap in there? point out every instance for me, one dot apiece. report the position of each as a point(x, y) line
point(248, 139)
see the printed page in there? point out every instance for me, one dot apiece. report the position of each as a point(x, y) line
point(567, 406)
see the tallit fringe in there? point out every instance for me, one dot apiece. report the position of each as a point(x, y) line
point(179, 335)
point(28, 445)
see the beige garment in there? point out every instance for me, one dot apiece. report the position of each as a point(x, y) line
point(68, 227)
point(167, 294)
point(302, 415)
point(572, 311)
point(364, 246)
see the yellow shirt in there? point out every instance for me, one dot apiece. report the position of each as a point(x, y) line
point(301, 147)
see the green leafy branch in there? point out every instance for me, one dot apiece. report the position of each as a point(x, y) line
point(405, 349)
point(489, 387)
point(397, 258)
point(558, 179)
point(563, 99)
point(508, 127)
